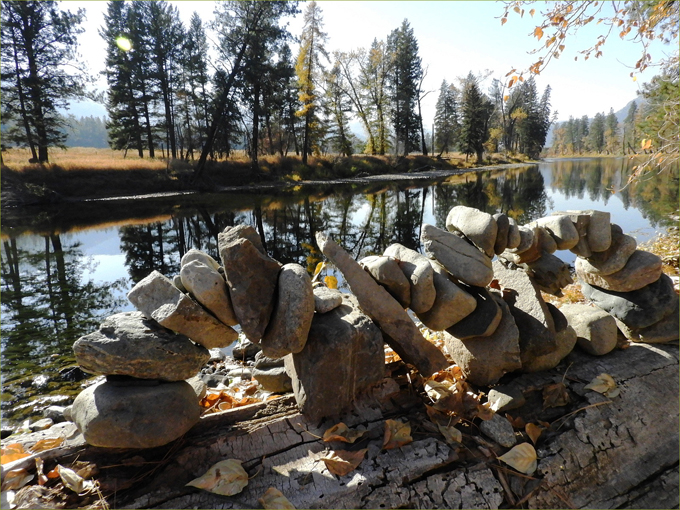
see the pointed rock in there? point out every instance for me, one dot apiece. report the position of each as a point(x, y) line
point(419, 274)
point(386, 271)
point(208, 287)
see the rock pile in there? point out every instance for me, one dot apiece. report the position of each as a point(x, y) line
point(327, 346)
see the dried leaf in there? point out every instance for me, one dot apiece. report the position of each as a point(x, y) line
point(521, 457)
point(16, 479)
point(319, 267)
point(226, 478)
point(605, 384)
point(46, 444)
point(555, 395)
point(533, 431)
point(451, 434)
point(341, 432)
point(538, 32)
point(517, 423)
point(342, 462)
point(273, 499)
point(331, 282)
point(12, 452)
point(532, 11)
point(437, 390)
point(397, 434)
point(71, 479)
point(485, 412)
point(504, 21)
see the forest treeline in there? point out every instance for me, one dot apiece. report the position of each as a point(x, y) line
point(166, 95)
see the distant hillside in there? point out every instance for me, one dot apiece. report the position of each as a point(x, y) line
point(85, 108)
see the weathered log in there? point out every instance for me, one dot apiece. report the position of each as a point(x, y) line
point(598, 453)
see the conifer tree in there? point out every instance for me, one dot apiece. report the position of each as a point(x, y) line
point(596, 133)
point(612, 141)
point(476, 112)
point(446, 119)
point(629, 129)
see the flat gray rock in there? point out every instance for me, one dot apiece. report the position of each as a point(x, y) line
point(135, 416)
point(418, 272)
point(251, 279)
point(293, 312)
point(386, 271)
point(614, 258)
point(326, 299)
point(561, 229)
point(565, 338)
point(638, 308)
point(274, 379)
point(666, 330)
point(400, 331)
point(158, 299)
point(595, 329)
point(499, 430)
point(208, 287)
point(477, 226)
point(462, 260)
point(549, 273)
point(343, 356)
point(483, 321)
point(451, 305)
point(484, 360)
point(641, 269)
point(130, 344)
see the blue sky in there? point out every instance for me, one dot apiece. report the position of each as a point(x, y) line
point(454, 37)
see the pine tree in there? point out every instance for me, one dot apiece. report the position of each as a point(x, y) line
point(374, 80)
point(595, 135)
point(476, 112)
point(629, 129)
point(612, 140)
point(404, 81)
point(38, 56)
point(446, 121)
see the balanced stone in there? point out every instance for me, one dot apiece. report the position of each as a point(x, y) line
point(343, 356)
point(614, 258)
point(561, 229)
point(639, 308)
point(527, 239)
point(459, 258)
point(208, 287)
point(484, 360)
point(549, 273)
point(326, 299)
point(595, 329)
point(129, 344)
point(386, 271)
point(451, 305)
point(666, 330)
point(419, 274)
point(292, 317)
point(158, 299)
point(514, 237)
point(641, 269)
point(503, 224)
point(580, 220)
point(135, 416)
point(533, 318)
point(198, 255)
point(541, 243)
point(251, 278)
point(477, 226)
point(599, 230)
point(404, 337)
point(565, 338)
point(483, 321)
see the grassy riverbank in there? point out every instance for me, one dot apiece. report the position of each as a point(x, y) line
point(90, 173)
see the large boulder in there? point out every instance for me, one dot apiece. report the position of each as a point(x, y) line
point(465, 262)
point(130, 344)
point(208, 287)
point(451, 305)
point(595, 329)
point(641, 269)
point(614, 258)
point(401, 332)
point(158, 299)
point(113, 416)
point(419, 274)
point(292, 316)
point(251, 278)
point(477, 226)
point(343, 356)
point(484, 360)
point(386, 271)
point(638, 308)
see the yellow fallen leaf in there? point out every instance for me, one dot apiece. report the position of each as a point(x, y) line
point(451, 434)
point(12, 452)
point(341, 432)
point(521, 457)
point(605, 384)
point(331, 282)
point(397, 434)
point(46, 444)
point(273, 499)
point(225, 478)
point(16, 479)
point(555, 395)
point(437, 390)
point(71, 479)
point(533, 431)
point(319, 267)
point(342, 462)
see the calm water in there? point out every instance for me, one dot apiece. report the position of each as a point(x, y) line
point(65, 269)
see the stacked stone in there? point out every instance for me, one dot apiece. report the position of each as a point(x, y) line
point(629, 285)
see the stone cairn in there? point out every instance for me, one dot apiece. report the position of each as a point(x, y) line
point(491, 312)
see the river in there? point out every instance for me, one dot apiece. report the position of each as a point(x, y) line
point(65, 268)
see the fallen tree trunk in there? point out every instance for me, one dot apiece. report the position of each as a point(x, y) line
point(597, 453)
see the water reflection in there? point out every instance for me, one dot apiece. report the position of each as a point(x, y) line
point(49, 299)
